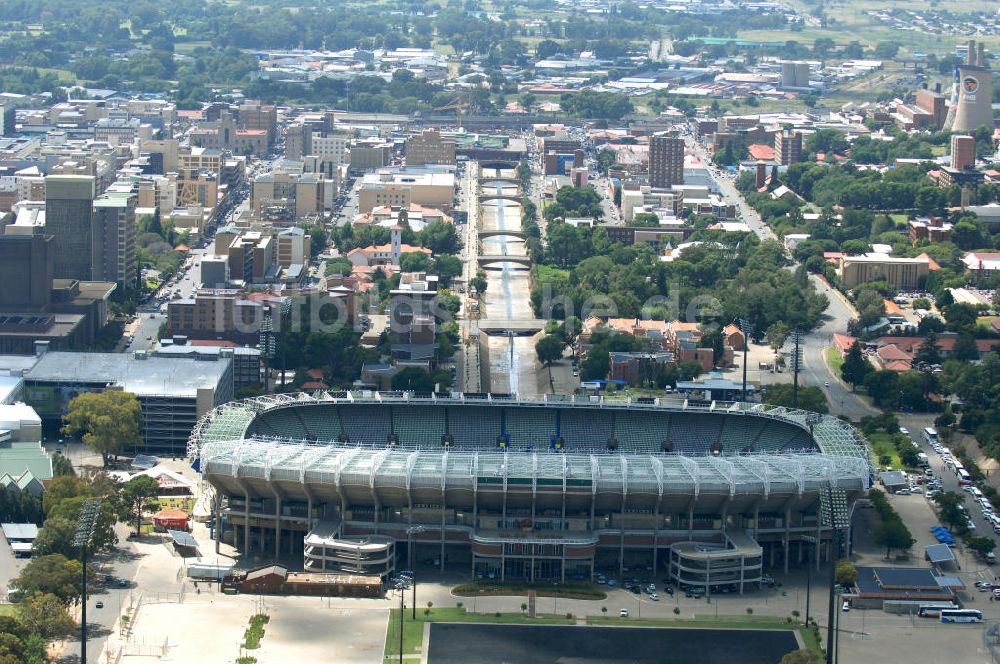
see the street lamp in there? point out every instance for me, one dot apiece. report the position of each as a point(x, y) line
point(81, 538)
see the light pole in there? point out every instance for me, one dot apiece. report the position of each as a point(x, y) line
point(811, 540)
point(81, 539)
point(409, 560)
point(745, 328)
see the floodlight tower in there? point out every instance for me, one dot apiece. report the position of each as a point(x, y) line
point(84, 534)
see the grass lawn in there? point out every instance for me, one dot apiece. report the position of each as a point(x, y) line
point(566, 590)
point(834, 358)
point(413, 630)
point(7, 609)
point(881, 444)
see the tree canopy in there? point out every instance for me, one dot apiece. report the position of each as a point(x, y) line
point(110, 421)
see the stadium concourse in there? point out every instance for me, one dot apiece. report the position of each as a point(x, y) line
point(513, 489)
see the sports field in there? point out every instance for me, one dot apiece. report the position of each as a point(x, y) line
point(552, 644)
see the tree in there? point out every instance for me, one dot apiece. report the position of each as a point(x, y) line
point(54, 574)
point(929, 351)
point(801, 656)
point(856, 367)
point(846, 573)
point(981, 545)
point(810, 398)
point(413, 379)
point(949, 503)
point(110, 421)
point(440, 237)
point(965, 347)
point(550, 348)
point(45, 614)
point(892, 534)
point(777, 334)
point(138, 496)
point(447, 268)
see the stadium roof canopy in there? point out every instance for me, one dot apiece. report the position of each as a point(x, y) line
point(220, 439)
point(231, 421)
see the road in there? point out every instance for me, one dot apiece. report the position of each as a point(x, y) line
point(122, 564)
point(815, 370)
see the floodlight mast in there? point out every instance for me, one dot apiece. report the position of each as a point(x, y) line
point(85, 524)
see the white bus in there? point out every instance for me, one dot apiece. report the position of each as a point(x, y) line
point(964, 478)
point(961, 616)
point(930, 435)
point(934, 610)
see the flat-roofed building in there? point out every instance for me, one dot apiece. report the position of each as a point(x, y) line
point(69, 218)
point(430, 147)
point(115, 228)
point(401, 188)
point(666, 160)
point(903, 273)
point(173, 392)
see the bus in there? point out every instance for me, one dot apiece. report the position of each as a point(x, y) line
point(934, 610)
point(964, 478)
point(961, 616)
point(930, 435)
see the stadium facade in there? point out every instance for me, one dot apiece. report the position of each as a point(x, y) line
point(556, 489)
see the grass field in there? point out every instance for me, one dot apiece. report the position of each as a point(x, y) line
point(881, 445)
point(7, 609)
point(834, 359)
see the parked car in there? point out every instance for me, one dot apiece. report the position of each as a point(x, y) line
point(623, 613)
point(846, 607)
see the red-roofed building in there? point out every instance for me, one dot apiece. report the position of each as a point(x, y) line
point(843, 343)
point(761, 152)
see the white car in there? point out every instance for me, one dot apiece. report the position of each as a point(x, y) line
point(654, 597)
point(623, 613)
point(846, 607)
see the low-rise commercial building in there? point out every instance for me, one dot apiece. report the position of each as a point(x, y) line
point(173, 392)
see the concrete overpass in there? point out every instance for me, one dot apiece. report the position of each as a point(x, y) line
point(489, 259)
point(518, 234)
point(484, 198)
point(501, 326)
point(497, 164)
point(485, 178)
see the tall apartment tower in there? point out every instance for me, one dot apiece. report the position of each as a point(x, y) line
point(972, 94)
point(115, 229)
point(666, 160)
point(787, 147)
point(69, 218)
point(963, 152)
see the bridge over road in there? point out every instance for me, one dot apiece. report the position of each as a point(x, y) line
point(518, 234)
point(490, 259)
point(504, 326)
point(485, 199)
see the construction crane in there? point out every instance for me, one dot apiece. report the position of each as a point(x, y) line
point(458, 104)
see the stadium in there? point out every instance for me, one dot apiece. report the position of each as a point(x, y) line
point(498, 487)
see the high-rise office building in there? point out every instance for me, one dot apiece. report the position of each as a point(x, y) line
point(69, 218)
point(787, 147)
point(26, 264)
point(114, 230)
point(963, 152)
point(666, 160)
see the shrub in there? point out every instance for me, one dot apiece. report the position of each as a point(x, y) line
point(749, 610)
